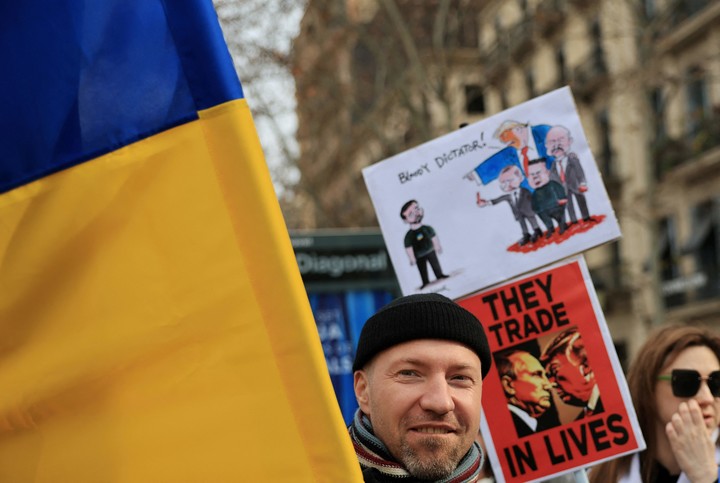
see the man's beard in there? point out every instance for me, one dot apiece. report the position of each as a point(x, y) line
point(434, 468)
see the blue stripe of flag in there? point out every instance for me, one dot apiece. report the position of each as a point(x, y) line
point(81, 79)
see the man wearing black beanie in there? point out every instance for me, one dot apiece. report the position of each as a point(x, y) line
point(418, 374)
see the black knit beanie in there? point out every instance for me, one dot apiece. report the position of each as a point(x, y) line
point(421, 316)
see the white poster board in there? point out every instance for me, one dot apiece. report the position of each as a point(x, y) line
point(473, 208)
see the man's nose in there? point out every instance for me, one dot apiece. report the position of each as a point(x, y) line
point(437, 396)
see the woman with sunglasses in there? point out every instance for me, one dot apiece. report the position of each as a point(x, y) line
point(674, 382)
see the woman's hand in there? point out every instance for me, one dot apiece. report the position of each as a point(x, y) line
point(689, 440)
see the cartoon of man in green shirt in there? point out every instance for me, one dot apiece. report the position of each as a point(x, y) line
point(421, 243)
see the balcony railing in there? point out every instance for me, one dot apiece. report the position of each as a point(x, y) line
point(669, 153)
point(520, 39)
point(682, 21)
point(681, 10)
point(496, 60)
point(705, 134)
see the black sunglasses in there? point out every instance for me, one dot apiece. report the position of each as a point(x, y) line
point(686, 382)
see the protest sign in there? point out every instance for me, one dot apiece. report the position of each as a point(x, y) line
point(492, 200)
point(555, 399)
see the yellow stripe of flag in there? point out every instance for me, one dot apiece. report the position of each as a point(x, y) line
point(153, 323)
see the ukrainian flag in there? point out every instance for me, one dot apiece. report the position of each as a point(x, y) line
point(153, 323)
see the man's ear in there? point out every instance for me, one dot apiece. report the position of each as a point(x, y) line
point(362, 392)
point(507, 385)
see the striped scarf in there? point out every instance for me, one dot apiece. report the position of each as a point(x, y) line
point(372, 453)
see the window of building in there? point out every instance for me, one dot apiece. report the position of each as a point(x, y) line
point(621, 349)
point(657, 108)
point(503, 99)
point(666, 152)
point(474, 99)
point(605, 161)
point(609, 282)
point(704, 246)
point(649, 9)
point(598, 57)
point(698, 103)
point(497, 23)
point(530, 83)
point(667, 244)
point(693, 6)
point(681, 10)
point(561, 67)
point(616, 265)
point(672, 289)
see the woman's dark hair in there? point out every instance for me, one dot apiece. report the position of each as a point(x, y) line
point(661, 348)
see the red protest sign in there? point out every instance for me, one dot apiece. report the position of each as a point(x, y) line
point(555, 399)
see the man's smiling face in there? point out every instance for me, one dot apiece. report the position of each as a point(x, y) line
point(424, 401)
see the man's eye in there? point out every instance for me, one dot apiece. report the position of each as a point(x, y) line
point(406, 372)
point(462, 378)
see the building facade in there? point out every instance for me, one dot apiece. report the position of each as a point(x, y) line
point(374, 78)
point(645, 75)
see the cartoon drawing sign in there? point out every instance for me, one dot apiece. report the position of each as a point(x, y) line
point(493, 200)
point(555, 399)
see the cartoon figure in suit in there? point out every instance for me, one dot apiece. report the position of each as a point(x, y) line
point(549, 197)
point(566, 170)
point(520, 201)
point(523, 143)
point(529, 141)
point(421, 243)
